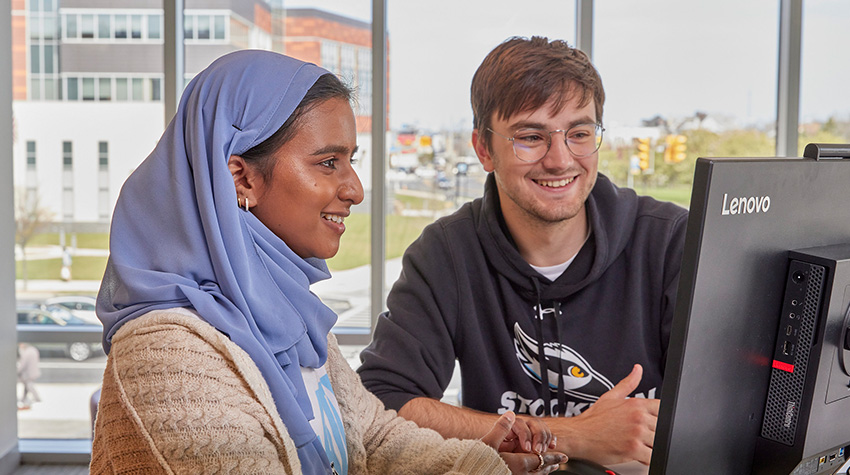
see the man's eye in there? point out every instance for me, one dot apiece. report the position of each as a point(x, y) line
point(529, 138)
point(330, 163)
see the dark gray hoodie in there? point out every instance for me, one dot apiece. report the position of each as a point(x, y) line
point(465, 293)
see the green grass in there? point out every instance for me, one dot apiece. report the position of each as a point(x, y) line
point(681, 195)
point(83, 268)
point(84, 240)
point(355, 246)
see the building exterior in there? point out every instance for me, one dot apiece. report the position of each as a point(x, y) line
point(339, 44)
point(88, 85)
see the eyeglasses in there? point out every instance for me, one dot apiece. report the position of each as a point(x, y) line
point(531, 145)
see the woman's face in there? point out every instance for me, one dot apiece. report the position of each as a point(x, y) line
point(313, 184)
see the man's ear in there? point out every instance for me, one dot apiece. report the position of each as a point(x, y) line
point(246, 179)
point(480, 146)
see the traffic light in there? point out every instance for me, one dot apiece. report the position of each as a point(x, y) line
point(644, 148)
point(676, 147)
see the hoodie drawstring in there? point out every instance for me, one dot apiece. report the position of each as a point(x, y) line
point(562, 397)
point(542, 361)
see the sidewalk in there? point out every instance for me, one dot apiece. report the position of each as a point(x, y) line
point(63, 412)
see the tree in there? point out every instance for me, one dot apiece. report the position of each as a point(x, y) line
point(30, 218)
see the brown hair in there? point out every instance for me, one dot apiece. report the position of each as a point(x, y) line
point(524, 74)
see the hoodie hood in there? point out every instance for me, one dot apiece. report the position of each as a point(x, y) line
point(611, 212)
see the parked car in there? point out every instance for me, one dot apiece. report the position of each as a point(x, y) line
point(77, 351)
point(80, 305)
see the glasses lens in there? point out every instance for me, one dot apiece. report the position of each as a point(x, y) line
point(531, 145)
point(584, 139)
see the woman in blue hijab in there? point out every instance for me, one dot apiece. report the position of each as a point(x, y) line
point(220, 356)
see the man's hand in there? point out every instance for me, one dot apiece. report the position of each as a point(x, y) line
point(614, 429)
point(528, 434)
point(519, 462)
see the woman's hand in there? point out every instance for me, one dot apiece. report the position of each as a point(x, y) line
point(503, 436)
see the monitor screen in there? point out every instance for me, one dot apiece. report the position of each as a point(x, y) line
point(746, 215)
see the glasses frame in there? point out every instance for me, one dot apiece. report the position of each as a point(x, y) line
point(549, 142)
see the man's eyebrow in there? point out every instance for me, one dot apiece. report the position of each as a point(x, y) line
point(527, 124)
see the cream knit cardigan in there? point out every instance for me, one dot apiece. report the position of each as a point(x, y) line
point(179, 397)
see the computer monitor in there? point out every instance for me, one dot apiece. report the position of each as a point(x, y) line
point(747, 215)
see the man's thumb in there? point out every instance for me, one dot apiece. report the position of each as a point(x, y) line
point(626, 385)
point(500, 430)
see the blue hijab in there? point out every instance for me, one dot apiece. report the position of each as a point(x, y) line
point(179, 239)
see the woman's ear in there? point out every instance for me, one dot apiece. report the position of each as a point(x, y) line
point(246, 179)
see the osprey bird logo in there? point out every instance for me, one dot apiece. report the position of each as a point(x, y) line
point(580, 380)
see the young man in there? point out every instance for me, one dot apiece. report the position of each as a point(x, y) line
point(554, 271)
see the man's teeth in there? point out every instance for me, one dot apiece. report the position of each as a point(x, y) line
point(333, 217)
point(555, 183)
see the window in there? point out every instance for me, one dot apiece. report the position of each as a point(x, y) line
point(121, 91)
point(121, 26)
point(103, 27)
point(71, 26)
point(155, 27)
point(35, 59)
point(104, 89)
point(87, 26)
point(203, 27)
point(72, 93)
point(219, 32)
point(30, 154)
point(156, 89)
point(103, 155)
point(136, 26)
point(88, 89)
point(138, 91)
point(67, 155)
point(48, 59)
point(189, 27)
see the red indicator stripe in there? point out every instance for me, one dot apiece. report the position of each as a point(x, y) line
point(783, 366)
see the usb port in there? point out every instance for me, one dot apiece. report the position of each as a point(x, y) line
point(787, 348)
point(789, 330)
point(832, 458)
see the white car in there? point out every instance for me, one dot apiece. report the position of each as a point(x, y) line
point(81, 306)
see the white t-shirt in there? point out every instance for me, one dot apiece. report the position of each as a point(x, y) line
point(553, 272)
point(327, 422)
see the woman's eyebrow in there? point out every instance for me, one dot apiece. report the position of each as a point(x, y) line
point(338, 149)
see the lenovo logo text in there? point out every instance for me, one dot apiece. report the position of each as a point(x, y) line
point(745, 204)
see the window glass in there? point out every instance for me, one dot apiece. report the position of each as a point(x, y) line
point(71, 26)
point(88, 89)
point(121, 26)
point(35, 59)
point(189, 27)
point(121, 91)
point(203, 27)
point(138, 91)
point(156, 89)
point(674, 69)
point(104, 89)
point(87, 26)
point(136, 26)
point(49, 26)
point(154, 27)
point(35, 28)
point(103, 26)
point(48, 59)
point(824, 91)
point(73, 94)
point(49, 89)
point(219, 27)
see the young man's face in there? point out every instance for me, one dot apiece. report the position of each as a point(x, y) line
point(551, 190)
